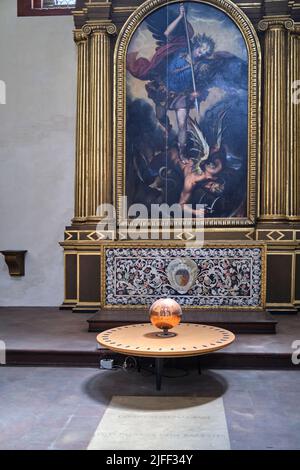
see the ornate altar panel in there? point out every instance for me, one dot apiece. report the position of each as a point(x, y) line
point(211, 277)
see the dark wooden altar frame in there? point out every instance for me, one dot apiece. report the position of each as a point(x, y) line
point(98, 26)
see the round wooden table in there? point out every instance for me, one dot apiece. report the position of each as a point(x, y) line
point(141, 340)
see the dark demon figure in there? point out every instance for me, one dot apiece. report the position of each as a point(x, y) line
point(194, 158)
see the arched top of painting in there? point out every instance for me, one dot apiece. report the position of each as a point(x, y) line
point(237, 30)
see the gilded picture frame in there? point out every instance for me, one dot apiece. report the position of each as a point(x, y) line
point(254, 77)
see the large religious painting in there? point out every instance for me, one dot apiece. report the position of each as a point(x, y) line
point(187, 112)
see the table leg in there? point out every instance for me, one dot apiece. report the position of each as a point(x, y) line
point(158, 370)
point(199, 367)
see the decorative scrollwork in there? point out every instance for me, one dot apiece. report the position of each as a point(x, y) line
point(263, 25)
point(79, 36)
point(107, 28)
point(86, 29)
point(111, 29)
point(273, 21)
point(231, 276)
point(289, 24)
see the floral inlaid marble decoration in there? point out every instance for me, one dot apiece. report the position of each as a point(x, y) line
point(211, 277)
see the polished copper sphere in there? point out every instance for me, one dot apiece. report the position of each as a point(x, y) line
point(165, 314)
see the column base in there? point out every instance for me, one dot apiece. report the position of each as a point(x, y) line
point(282, 310)
point(88, 308)
point(67, 306)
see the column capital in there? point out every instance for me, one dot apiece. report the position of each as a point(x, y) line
point(105, 27)
point(275, 22)
point(79, 36)
point(92, 12)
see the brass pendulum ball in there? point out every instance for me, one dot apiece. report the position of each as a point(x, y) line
point(165, 314)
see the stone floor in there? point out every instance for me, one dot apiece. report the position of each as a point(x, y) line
point(60, 408)
point(48, 328)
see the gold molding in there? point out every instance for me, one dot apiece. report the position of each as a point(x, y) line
point(269, 235)
point(293, 283)
point(92, 245)
point(243, 6)
point(279, 305)
point(69, 234)
point(297, 300)
point(127, 9)
point(269, 231)
point(253, 47)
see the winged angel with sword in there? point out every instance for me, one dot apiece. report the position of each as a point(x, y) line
point(178, 78)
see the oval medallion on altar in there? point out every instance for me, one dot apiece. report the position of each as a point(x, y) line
point(182, 274)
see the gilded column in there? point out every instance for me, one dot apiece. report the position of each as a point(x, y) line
point(294, 157)
point(275, 124)
point(82, 128)
point(100, 145)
